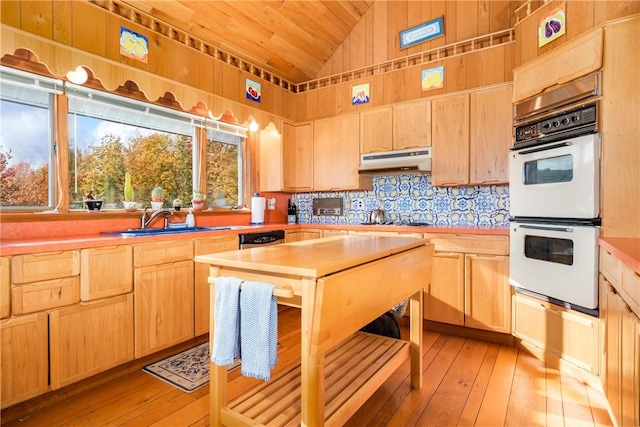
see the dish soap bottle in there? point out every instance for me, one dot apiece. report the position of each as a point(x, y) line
point(191, 219)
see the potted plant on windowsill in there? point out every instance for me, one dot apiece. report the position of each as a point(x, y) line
point(157, 198)
point(199, 201)
point(129, 198)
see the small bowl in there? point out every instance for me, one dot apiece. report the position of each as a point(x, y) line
point(93, 205)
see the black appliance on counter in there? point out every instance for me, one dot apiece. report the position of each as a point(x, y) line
point(263, 238)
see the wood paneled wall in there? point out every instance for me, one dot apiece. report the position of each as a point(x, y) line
point(376, 38)
point(581, 16)
point(95, 31)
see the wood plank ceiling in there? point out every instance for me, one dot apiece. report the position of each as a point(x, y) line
point(289, 38)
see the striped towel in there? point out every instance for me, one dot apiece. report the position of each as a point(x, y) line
point(258, 329)
point(226, 326)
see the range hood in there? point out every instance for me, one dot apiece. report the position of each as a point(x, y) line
point(413, 160)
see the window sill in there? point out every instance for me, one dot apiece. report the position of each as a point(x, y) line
point(31, 216)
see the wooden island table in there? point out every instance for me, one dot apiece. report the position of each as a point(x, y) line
point(340, 284)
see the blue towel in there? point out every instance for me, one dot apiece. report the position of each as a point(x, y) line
point(258, 329)
point(226, 325)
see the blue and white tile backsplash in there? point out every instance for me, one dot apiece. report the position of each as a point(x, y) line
point(413, 198)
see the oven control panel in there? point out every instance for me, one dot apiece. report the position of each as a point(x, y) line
point(562, 125)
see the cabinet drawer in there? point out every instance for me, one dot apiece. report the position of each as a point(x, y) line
point(564, 333)
point(44, 266)
point(610, 267)
point(631, 289)
point(162, 252)
point(5, 288)
point(106, 272)
point(472, 243)
point(44, 295)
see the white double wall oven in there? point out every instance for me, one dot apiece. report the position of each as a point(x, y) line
point(554, 173)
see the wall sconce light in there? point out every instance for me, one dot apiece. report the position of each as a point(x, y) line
point(253, 125)
point(79, 76)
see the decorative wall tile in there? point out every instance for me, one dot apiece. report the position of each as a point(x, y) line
point(412, 198)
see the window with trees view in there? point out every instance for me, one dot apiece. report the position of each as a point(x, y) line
point(108, 136)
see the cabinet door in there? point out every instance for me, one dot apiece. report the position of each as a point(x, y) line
point(25, 366)
point(40, 296)
point(450, 140)
point(491, 129)
point(336, 153)
point(89, 338)
point(201, 284)
point(297, 156)
point(330, 233)
point(444, 297)
point(5, 288)
point(106, 272)
point(487, 293)
point(163, 306)
point(299, 235)
point(612, 345)
point(270, 168)
point(376, 131)
point(412, 125)
point(629, 367)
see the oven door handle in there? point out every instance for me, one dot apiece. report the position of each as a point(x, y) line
point(547, 228)
point(544, 148)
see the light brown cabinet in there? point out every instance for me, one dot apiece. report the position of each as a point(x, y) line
point(568, 335)
point(297, 156)
point(89, 338)
point(471, 137)
point(376, 131)
point(470, 282)
point(106, 272)
point(491, 129)
point(25, 368)
point(620, 341)
point(201, 277)
point(5, 287)
point(164, 295)
point(336, 153)
point(412, 125)
point(269, 147)
point(299, 235)
point(44, 281)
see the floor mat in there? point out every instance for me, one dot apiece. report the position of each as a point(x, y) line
point(188, 370)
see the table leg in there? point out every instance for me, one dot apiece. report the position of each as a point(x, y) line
point(415, 337)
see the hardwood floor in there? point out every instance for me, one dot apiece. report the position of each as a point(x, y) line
point(466, 382)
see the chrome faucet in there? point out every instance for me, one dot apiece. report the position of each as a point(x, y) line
point(144, 221)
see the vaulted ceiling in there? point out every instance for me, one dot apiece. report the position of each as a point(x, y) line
point(289, 38)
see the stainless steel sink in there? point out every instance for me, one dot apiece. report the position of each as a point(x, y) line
point(139, 232)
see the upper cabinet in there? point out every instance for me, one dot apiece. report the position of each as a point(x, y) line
point(412, 125)
point(336, 153)
point(376, 131)
point(471, 137)
point(297, 156)
point(491, 130)
point(450, 140)
point(401, 126)
point(270, 157)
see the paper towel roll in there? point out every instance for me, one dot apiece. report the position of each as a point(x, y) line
point(257, 210)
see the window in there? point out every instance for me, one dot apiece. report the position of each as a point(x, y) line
point(223, 163)
point(26, 140)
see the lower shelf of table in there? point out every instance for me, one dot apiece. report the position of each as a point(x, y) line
point(354, 370)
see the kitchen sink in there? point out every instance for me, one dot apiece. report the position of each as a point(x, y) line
point(139, 232)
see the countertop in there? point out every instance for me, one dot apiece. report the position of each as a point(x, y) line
point(57, 243)
point(313, 258)
point(625, 249)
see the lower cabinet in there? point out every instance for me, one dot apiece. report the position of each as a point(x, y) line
point(621, 345)
point(298, 235)
point(25, 364)
point(163, 309)
point(566, 334)
point(201, 285)
point(470, 282)
point(89, 338)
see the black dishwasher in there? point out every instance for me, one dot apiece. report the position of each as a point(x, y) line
point(263, 238)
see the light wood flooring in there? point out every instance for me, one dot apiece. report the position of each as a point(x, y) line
point(466, 382)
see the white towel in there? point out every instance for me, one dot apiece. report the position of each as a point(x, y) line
point(258, 329)
point(227, 325)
